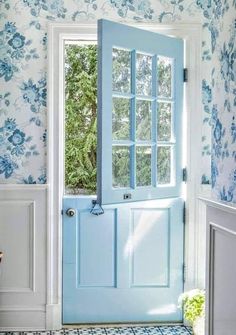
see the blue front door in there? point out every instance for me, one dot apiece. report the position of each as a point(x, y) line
point(126, 265)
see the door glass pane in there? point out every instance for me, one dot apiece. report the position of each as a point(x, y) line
point(164, 164)
point(164, 71)
point(164, 121)
point(143, 120)
point(120, 166)
point(121, 119)
point(121, 70)
point(143, 165)
point(143, 74)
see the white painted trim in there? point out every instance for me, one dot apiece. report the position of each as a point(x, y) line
point(52, 319)
point(57, 34)
point(28, 308)
point(23, 187)
point(224, 206)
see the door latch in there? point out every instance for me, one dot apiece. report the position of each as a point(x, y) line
point(96, 209)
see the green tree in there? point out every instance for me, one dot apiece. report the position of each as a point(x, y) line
point(80, 118)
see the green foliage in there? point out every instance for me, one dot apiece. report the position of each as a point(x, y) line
point(81, 122)
point(81, 118)
point(193, 303)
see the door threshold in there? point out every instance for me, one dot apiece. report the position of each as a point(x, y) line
point(125, 324)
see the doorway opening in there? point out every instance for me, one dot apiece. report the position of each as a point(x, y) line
point(58, 172)
point(126, 264)
point(80, 118)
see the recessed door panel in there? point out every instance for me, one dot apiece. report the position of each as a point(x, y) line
point(96, 250)
point(150, 243)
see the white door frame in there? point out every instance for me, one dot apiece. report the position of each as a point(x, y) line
point(57, 35)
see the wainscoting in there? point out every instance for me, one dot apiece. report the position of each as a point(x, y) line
point(30, 272)
point(221, 269)
point(23, 267)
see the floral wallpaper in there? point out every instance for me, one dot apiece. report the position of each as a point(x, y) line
point(23, 95)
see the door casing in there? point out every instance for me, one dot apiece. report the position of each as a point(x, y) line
point(57, 35)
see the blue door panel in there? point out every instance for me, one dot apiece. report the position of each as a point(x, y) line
point(135, 41)
point(96, 249)
point(149, 247)
point(127, 265)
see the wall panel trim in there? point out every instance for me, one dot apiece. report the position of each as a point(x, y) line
point(23, 303)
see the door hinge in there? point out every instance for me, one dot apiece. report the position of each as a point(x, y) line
point(184, 213)
point(184, 269)
point(185, 75)
point(185, 175)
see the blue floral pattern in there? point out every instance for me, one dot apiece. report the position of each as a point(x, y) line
point(219, 144)
point(206, 97)
point(23, 85)
point(7, 165)
point(14, 147)
point(227, 60)
point(34, 95)
point(52, 8)
point(138, 10)
point(141, 8)
point(4, 7)
point(4, 103)
point(15, 51)
point(42, 179)
point(213, 11)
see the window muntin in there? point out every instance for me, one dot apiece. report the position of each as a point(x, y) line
point(144, 85)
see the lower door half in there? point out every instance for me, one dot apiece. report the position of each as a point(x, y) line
point(125, 265)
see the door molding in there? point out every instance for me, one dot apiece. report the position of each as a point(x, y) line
point(58, 33)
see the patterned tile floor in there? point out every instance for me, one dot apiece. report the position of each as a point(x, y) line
point(132, 330)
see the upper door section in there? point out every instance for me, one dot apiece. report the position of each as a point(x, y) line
point(140, 102)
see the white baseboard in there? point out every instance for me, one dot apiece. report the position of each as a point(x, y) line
point(22, 320)
point(53, 317)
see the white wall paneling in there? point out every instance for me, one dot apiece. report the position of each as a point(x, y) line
point(221, 269)
point(23, 267)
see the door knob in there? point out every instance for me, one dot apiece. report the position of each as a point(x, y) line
point(70, 212)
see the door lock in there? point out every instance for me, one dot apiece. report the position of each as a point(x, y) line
point(70, 212)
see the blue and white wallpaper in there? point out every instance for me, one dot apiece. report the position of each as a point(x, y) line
point(23, 93)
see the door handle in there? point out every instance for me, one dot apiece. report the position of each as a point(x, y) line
point(1, 256)
point(70, 212)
